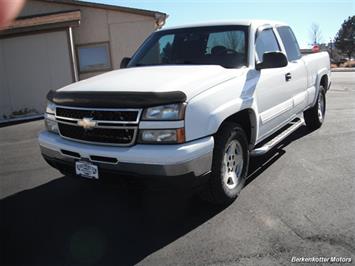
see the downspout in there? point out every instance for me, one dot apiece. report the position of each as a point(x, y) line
point(73, 57)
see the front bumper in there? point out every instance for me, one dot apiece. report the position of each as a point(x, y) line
point(145, 160)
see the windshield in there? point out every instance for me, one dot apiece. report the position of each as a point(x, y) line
point(217, 45)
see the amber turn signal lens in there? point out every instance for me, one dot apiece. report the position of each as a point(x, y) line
point(180, 135)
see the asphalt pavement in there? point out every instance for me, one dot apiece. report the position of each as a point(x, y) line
point(299, 202)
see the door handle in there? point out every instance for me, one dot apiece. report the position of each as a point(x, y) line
point(288, 76)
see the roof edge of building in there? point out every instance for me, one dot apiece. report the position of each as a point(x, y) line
point(138, 11)
point(42, 22)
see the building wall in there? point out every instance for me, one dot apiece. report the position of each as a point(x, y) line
point(31, 65)
point(5, 100)
point(124, 31)
point(34, 63)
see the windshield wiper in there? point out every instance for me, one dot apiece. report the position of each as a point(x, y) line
point(185, 62)
point(180, 62)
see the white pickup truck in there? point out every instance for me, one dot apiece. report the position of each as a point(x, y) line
point(192, 102)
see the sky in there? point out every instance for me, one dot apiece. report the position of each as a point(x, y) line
point(299, 14)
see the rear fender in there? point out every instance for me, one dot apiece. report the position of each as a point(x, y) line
point(322, 72)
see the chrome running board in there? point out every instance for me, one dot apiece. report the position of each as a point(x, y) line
point(273, 142)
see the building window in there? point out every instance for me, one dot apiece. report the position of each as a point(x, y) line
point(94, 57)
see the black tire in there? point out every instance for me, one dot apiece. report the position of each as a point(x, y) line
point(220, 189)
point(314, 116)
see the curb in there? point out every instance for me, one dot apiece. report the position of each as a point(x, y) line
point(350, 69)
point(19, 120)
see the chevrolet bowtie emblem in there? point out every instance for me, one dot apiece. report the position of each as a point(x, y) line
point(87, 123)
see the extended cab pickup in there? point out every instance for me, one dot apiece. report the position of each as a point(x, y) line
point(194, 102)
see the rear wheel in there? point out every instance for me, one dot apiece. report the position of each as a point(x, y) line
point(314, 116)
point(230, 165)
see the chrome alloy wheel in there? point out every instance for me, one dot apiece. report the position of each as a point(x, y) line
point(233, 164)
point(321, 107)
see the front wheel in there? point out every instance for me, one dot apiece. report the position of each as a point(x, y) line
point(314, 116)
point(230, 165)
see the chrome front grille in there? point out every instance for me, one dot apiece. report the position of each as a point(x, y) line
point(127, 116)
point(98, 126)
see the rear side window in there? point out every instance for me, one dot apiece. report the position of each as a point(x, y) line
point(290, 43)
point(266, 42)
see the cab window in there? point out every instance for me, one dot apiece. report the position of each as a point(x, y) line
point(266, 42)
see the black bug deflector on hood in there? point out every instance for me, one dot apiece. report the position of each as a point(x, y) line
point(111, 99)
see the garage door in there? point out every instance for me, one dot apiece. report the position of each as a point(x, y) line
point(30, 66)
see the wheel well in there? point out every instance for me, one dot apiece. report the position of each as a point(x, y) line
point(246, 119)
point(324, 82)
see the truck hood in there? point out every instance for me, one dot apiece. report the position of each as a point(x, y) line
point(190, 80)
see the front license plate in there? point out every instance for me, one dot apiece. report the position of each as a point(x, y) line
point(86, 169)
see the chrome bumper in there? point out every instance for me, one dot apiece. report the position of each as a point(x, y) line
point(147, 160)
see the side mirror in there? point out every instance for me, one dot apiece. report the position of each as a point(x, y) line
point(272, 60)
point(125, 62)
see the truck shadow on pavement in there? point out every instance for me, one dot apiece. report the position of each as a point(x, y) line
point(72, 221)
point(259, 164)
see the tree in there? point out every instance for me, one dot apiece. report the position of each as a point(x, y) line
point(315, 33)
point(345, 38)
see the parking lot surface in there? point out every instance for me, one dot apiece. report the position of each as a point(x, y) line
point(299, 202)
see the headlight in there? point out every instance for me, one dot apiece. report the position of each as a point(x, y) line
point(51, 126)
point(164, 112)
point(162, 136)
point(49, 118)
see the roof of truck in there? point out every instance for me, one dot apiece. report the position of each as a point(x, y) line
point(249, 22)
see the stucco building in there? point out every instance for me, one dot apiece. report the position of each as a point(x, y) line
point(56, 42)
